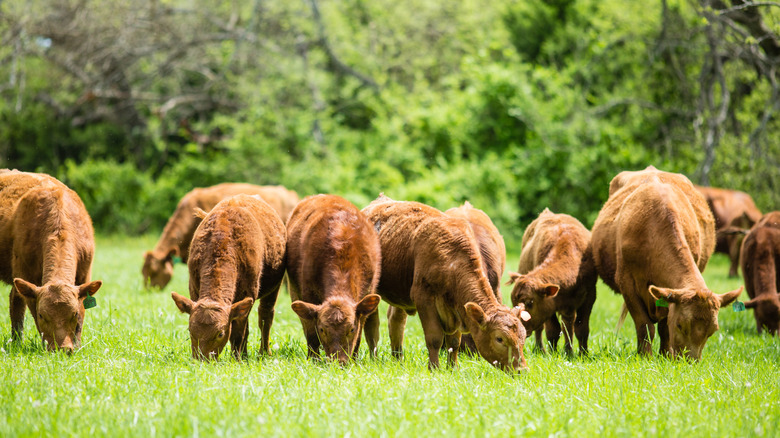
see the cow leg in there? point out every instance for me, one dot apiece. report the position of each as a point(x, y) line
point(396, 322)
point(239, 333)
point(433, 331)
point(734, 247)
point(582, 323)
point(552, 329)
point(265, 313)
point(645, 329)
point(568, 332)
point(539, 345)
point(452, 342)
point(663, 336)
point(16, 308)
point(371, 330)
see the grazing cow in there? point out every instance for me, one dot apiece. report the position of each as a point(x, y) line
point(47, 240)
point(760, 266)
point(492, 250)
point(651, 240)
point(431, 264)
point(733, 211)
point(556, 274)
point(333, 262)
point(237, 256)
point(177, 234)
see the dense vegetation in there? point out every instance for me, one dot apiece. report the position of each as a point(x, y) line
point(515, 105)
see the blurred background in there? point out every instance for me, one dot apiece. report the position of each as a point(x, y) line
point(512, 105)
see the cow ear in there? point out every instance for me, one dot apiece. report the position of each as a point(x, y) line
point(550, 290)
point(89, 288)
point(513, 277)
point(173, 252)
point(368, 304)
point(147, 254)
point(664, 293)
point(183, 303)
point(751, 304)
point(241, 309)
point(729, 297)
point(26, 288)
point(305, 310)
point(476, 314)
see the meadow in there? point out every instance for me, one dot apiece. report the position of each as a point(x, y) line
point(134, 377)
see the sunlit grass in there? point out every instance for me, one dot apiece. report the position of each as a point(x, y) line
point(134, 376)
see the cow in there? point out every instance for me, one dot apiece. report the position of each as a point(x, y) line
point(556, 275)
point(760, 266)
point(48, 245)
point(735, 212)
point(177, 234)
point(237, 256)
point(333, 265)
point(651, 240)
point(492, 250)
point(431, 264)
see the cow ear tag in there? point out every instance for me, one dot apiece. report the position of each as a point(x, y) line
point(90, 302)
point(738, 306)
point(661, 302)
point(177, 259)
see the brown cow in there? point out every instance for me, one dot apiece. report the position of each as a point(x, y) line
point(431, 264)
point(492, 250)
point(47, 239)
point(651, 240)
point(760, 266)
point(733, 210)
point(556, 275)
point(237, 256)
point(177, 234)
point(333, 262)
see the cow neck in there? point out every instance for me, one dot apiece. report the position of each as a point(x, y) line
point(218, 283)
point(475, 289)
point(558, 267)
point(178, 231)
point(60, 260)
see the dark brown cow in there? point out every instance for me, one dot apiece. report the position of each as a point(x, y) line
point(760, 266)
point(556, 275)
point(177, 234)
point(47, 239)
point(333, 263)
point(492, 250)
point(733, 210)
point(651, 240)
point(431, 264)
point(237, 256)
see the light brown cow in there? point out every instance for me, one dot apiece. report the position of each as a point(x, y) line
point(760, 266)
point(431, 264)
point(47, 240)
point(556, 275)
point(237, 256)
point(333, 263)
point(651, 240)
point(177, 234)
point(491, 248)
point(733, 210)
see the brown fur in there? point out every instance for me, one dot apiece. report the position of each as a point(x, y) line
point(177, 234)
point(760, 265)
point(431, 264)
point(47, 240)
point(333, 263)
point(732, 210)
point(651, 240)
point(237, 256)
point(556, 275)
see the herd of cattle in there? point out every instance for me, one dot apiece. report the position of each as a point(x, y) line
point(650, 243)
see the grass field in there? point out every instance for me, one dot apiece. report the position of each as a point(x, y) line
point(134, 377)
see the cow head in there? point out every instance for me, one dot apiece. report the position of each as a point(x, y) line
point(58, 311)
point(693, 317)
point(157, 271)
point(338, 322)
point(766, 309)
point(499, 337)
point(536, 296)
point(210, 323)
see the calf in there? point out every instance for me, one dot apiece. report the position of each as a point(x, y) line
point(333, 262)
point(177, 234)
point(556, 274)
point(651, 240)
point(47, 240)
point(760, 265)
point(431, 264)
point(237, 256)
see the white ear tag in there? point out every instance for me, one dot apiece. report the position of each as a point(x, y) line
point(525, 316)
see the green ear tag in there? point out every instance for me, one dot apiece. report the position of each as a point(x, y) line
point(90, 302)
point(738, 306)
point(661, 302)
point(177, 259)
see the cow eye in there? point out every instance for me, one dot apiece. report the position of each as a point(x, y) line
point(221, 335)
point(499, 339)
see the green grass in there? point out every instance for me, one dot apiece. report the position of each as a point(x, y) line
point(134, 377)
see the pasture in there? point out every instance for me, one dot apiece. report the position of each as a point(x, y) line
point(134, 377)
